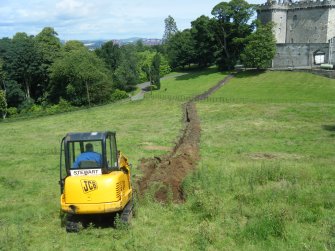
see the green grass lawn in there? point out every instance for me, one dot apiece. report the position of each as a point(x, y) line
point(268, 166)
point(265, 180)
point(279, 87)
point(190, 84)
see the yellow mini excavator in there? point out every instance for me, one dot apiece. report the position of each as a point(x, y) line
point(94, 178)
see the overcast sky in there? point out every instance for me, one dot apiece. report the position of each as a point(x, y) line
point(100, 19)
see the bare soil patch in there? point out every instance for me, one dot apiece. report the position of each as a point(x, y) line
point(171, 169)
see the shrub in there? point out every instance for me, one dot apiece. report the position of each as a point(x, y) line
point(118, 95)
point(12, 111)
point(26, 105)
point(35, 109)
point(64, 105)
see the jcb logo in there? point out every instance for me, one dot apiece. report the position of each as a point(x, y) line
point(89, 185)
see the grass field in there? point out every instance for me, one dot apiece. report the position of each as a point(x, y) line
point(270, 165)
point(265, 180)
point(274, 87)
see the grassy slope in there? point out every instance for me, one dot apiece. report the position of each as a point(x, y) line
point(200, 82)
point(29, 164)
point(265, 179)
point(270, 165)
point(280, 86)
point(29, 208)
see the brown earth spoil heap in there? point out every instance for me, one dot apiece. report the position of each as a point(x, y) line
point(169, 171)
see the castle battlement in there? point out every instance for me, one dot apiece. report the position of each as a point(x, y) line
point(310, 21)
point(289, 5)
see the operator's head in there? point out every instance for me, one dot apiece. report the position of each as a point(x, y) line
point(89, 147)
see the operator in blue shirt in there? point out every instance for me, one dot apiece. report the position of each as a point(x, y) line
point(89, 154)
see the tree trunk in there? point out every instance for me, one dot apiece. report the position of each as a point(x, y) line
point(88, 94)
point(224, 43)
point(26, 82)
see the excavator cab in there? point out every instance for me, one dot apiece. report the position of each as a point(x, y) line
point(94, 176)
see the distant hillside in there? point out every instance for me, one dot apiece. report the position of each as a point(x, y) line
point(93, 44)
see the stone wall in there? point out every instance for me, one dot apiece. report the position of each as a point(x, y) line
point(307, 25)
point(298, 55)
point(300, 22)
point(331, 23)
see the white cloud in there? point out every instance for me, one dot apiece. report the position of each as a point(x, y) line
point(84, 19)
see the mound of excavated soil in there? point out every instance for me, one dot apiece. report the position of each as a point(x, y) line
point(170, 170)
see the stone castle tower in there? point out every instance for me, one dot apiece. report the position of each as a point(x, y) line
point(305, 21)
point(304, 31)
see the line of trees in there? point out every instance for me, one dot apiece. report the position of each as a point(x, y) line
point(39, 71)
point(226, 39)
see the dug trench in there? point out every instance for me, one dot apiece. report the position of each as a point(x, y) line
point(168, 171)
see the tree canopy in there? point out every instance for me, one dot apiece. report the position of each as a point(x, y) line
point(42, 70)
point(170, 28)
point(260, 48)
point(231, 27)
point(80, 77)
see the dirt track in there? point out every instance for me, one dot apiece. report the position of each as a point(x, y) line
point(168, 171)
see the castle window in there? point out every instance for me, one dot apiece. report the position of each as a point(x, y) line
point(295, 18)
point(319, 57)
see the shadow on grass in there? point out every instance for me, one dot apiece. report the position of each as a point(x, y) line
point(330, 128)
point(93, 221)
point(249, 73)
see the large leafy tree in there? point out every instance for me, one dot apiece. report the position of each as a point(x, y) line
point(261, 47)
point(204, 40)
point(231, 27)
point(126, 76)
point(14, 94)
point(181, 49)
point(14, 91)
point(49, 47)
point(24, 64)
point(111, 54)
point(72, 45)
point(145, 59)
point(2, 72)
point(155, 66)
point(170, 28)
point(80, 77)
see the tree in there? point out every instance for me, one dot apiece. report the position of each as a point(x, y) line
point(155, 66)
point(14, 94)
point(24, 64)
point(231, 27)
point(2, 74)
point(49, 46)
point(126, 76)
point(204, 41)
point(80, 77)
point(3, 104)
point(73, 45)
point(170, 28)
point(181, 49)
point(261, 47)
point(111, 54)
point(145, 59)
